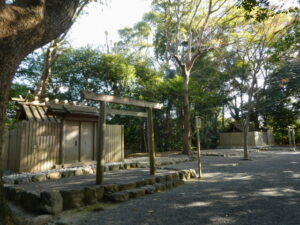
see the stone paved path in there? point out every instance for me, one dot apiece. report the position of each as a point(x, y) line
point(264, 191)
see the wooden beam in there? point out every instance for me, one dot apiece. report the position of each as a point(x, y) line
point(151, 145)
point(101, 144)
point(125, 101)
point(28, 113)
point(126, 113)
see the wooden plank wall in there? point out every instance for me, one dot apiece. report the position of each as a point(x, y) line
point(235, 139)
point(114, 144)
point(33, 146)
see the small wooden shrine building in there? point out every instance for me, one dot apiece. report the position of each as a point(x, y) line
point(55, 133)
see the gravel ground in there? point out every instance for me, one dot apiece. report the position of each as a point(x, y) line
point(263, 191)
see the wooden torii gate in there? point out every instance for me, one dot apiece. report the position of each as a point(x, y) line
point(103, 99)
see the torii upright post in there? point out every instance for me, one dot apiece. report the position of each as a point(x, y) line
point(151, 145)
point(101, 143)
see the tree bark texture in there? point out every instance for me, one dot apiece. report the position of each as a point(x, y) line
point(186, 115)
point(25, 26)
point(247, 119)
point(43, 82)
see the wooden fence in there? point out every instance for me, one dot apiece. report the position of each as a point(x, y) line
point(256, 138)
point(114, 143)
point(35, 146)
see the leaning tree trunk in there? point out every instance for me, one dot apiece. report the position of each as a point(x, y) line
point(44, 79)
point(186, 116)
point(25, 26)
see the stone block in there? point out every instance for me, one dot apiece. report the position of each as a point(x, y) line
point(126, 166)
point(22, 180)
point(169, 177)
point(142, 165)
point(184, 174)
point(10, 192)
point(169, 184)
point(38, 178)
point(149, 189)
point(140, 183)
point(93, 194)
point(99, 192)
point(29, 201)
point(133, 165)
point(106, 169)
point(72, 198)
point(136, 192)
point(160, 179)
point(126, 186)
point(87, 171)
point(160, 187)
point(111, 188)
point(51, 202)
point(177, 183)
point(90, 195)
point(17, 195)
point(53, 176)
point(193, 173)
point(78, 172)
point(94, 169)
point(114, 167)
point(68, 173)
point(121, 196)
point(121, 166)
point(151, 180)
point(175, 176)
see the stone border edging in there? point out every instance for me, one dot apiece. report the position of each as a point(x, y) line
point(54, 202)
point(58, 174)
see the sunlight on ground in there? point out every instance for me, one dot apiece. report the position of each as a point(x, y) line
point(239, 176)
point(191, 205)
point(225, 164)
point(276, 192)
point(296, 175)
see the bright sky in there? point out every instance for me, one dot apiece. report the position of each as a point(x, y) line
point(90, 28)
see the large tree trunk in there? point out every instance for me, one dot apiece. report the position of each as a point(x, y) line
point(245, 138)
point(247, 119)
point(168, 128)
point(186, 115)
point(5, 82)
point(25, 26)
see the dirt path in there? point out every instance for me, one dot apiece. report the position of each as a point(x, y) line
point(265, 191)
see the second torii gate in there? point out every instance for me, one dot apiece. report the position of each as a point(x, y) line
point(103, 99)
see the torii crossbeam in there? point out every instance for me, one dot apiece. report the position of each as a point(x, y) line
point(103, 99)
